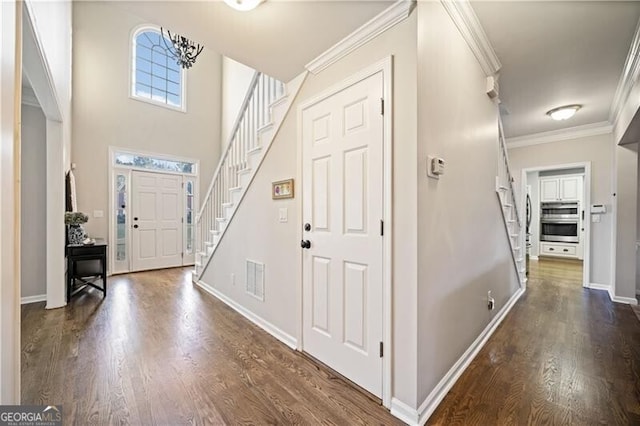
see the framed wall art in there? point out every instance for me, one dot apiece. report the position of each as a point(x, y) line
point(282, 189)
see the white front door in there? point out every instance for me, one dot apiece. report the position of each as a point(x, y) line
point(342, 203)
point(156, 219)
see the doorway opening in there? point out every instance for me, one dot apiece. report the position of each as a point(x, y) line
point(557, 200)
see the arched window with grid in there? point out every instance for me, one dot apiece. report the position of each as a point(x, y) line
point(156, 76)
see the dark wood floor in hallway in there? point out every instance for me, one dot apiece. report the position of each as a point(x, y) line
point(158, 350)
point(564, 355)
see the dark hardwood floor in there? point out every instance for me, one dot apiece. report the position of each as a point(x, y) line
point(564, 355)
point(158, 350)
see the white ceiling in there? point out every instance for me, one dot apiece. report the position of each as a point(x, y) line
point(556, 53)
point(278, 38)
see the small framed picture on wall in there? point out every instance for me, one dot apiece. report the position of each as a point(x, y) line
point(282, 189)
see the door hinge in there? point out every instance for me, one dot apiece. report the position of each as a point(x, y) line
point(182, 254)
point(381, 106)
point(381, 227)
point(381, 349)
point(182, 220)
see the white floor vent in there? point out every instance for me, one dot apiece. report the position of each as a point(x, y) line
point(255, 279)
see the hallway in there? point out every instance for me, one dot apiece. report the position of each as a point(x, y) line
point(564, 355)
point(158, 350)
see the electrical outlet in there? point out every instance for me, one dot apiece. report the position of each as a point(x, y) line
point(491, 303)
point(233, 279)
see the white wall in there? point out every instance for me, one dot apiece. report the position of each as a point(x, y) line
point(104, 115)
point(262, 238)
point(463, 246)
point(597, 150)
point(236, 78)
point(638, 234)
point(33, 255)
point(625, 204)
point(52, 22)
point(9, 193)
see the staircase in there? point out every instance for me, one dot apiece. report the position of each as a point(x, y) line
point(509, 207)
point(264, 106)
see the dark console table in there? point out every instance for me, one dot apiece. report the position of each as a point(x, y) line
point(86, 261)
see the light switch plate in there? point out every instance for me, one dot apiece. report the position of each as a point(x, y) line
point(284, 214)
point(98, 213)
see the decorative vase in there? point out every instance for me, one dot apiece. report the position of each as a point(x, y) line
point(76, 234)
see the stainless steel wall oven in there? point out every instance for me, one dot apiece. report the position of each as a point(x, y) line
point(560, 222)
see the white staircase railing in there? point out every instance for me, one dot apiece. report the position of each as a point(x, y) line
point(255, 114)
point(509, 206)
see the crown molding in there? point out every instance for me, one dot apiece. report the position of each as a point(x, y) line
point(394, 14)
point(593, 129)
point(628, 78)
point(469, 26)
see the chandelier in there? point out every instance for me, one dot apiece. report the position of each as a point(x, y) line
point(183, 50)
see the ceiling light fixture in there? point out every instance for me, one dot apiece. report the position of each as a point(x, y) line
point(243, 5)
point(563, 112)
point(183, 50)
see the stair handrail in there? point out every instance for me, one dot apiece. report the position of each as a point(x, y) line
point(503, 145)
point(232, 135)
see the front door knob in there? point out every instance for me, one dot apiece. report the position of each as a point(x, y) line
point(305, 244)
point(307, 227)
point(135, 226)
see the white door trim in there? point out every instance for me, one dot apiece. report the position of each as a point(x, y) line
point(114, 169)
point(386, 67)
point(586, 197)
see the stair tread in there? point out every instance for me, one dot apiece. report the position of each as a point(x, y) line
point(221, 219)
point(254, 149)
point(214, 231)
point(237, 188)
point(244, 171)
point(229, 204)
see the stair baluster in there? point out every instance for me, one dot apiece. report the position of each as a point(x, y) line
point(255, 113)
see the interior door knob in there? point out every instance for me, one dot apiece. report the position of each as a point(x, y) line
point(135, 226)
point(305, 244)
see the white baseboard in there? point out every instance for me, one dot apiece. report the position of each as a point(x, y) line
point(596, 286)
point(33, 299)
point(403, 412)
point(620, 299)
point(285, 338)
point(533, 257)
point(426, 409)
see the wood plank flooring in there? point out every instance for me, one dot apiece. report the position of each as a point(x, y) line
point(158, 350)
point(564, 356)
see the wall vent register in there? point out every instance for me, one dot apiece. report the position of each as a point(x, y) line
point(255, 279)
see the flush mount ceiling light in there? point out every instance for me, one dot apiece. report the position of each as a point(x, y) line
point(243, 5)
point(563, 112)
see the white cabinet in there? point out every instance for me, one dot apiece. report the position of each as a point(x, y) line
point(549, 190)
point(559, 249)
point(566, 188)
point(570, 188)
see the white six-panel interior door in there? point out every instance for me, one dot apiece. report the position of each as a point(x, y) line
point(156, 220)
point(342, 163)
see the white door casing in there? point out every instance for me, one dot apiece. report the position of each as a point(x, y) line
point(342, 167)
point(157, 203)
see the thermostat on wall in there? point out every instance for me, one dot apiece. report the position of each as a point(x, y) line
point(435, 167)
point(598, 208)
